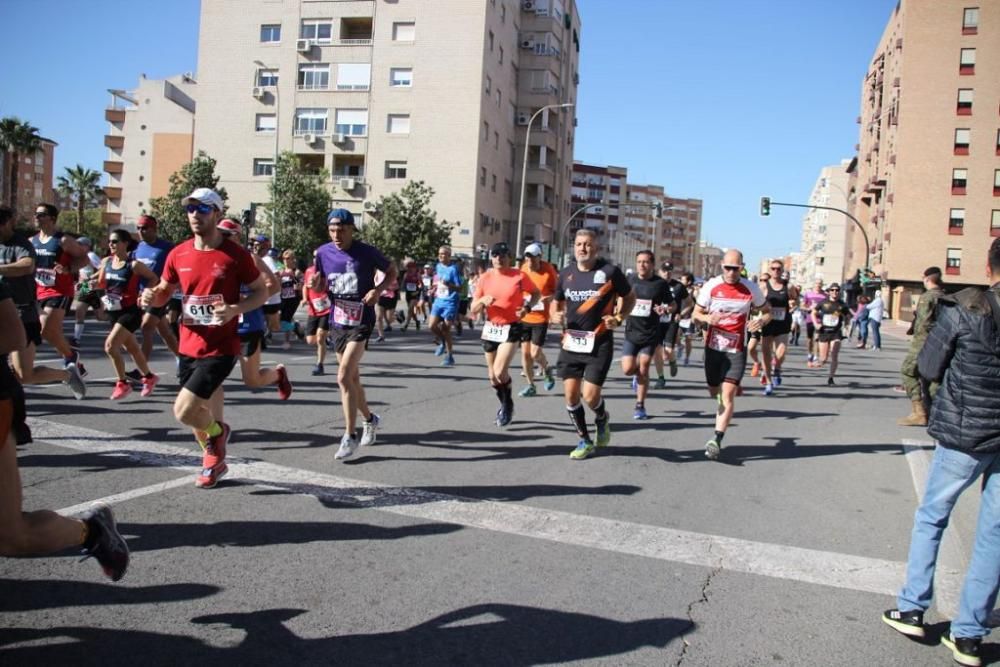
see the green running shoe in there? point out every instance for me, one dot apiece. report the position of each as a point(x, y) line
point(584, 450)
point(603, 432)
point(528, 391)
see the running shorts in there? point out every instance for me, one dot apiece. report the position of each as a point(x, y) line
point(358, 334)
point(513, 336)
point(724, 367)
point(202, 376)
point(773, 328)
point(412, 296)
point(388, 302)
point(810, 329)
point(33, 332)
point(157, 311)
point(827, 337)
point(271, 308)
point(251, 342)
point(288, 309)
point(130, 318)
point(56, 303)
point(444, 310)
point(592, 366)
point(316, 323)
point(534, 333)
point(634, 349)
point(670, 332)
point(463, 307)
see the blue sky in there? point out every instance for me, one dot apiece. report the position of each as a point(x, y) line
point(724, 100)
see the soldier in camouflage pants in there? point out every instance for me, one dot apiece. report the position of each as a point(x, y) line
point(923, 321)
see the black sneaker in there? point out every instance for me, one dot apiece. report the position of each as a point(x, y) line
point(105, 542)
point(830, 382)
point(910, 623)
point(965, 650)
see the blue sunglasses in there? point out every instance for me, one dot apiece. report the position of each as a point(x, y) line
point(200, 207)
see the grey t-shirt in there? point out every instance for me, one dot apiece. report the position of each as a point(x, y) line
point(22, 287)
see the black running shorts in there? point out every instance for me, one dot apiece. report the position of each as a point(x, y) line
point(358, 334)
point(513, 336)
point(670, 333)
point(56, 303)
point(592, 367)
point(202, 376)
point(534, 333)
point(251, 342)
point(724, 367)
point(317, 323)
point(129, 317)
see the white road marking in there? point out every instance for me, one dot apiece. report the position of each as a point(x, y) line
point(952, 561)
point(859, 573)
point(128, 495)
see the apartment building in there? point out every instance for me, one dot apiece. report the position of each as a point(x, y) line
point(150, 136)
point(34, 178)
point(709, 261)
point(382, 92)
point(824, 252)
point(927, 178)
point(680, 233)
point(596, 198)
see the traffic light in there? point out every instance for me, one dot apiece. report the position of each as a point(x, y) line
point(765, 207)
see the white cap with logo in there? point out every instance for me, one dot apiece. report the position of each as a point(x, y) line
point(534, 250)
point(205, 196)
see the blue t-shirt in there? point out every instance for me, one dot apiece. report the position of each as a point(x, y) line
point(153, 256)
point(446, 273)
point(350, 274)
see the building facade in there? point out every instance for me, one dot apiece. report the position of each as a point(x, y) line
point(680, 233)
point(709, 261)
point(927, 178)
point(150, 136)
point(382, 93)
point(824, 252)
point(34, 181)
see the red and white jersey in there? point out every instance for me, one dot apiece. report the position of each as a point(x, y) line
point(735, 303)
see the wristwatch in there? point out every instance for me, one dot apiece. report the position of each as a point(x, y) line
point(618, 318)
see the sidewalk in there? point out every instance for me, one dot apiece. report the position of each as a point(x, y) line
point(895, 328)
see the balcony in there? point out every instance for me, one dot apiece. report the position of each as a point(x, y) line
point(114, 115)
point(113, 166)
point(112, 192)
point(109, 218)
point(114, 141)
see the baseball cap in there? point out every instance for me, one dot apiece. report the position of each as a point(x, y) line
point(205, 196)
point(500, 250)
point(146, 221)
point(261, 238)
point(932, 270)
point(666, 266)
point(339, 216)
point(83, 240)
point(229, 226)
point(428, 265)
point(833, 286)
point(534, 250)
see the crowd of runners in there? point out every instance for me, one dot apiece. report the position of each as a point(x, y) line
point(217, 303)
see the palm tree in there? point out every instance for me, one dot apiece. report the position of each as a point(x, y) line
point(81, 184)
point(16, 137)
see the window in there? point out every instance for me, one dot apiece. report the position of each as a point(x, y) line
point(352, 122)
point(263, 166)
point(310, 121)
point(266, 122)
point(995, 223)
point(962, 138)
point(395, 170)
point(956, 220)
point(489, 85)
point(508, 191)
point(503, 13)
point(500, 58)
point(317, 30)
point(496, 141)
point(401, 77)
point(398, 123)
point(953, 266)
point(482, 176)
point(964, 102)
point(404, 32)
point(354, 76)
point(267, 77)
point(490, 39)
point(355, 170)
point(967, 61)
point(270, 34)
point(499, 98)
point(493, 182)
point(486, 131)
point(314, 77)
point(970, 21)
point(996, 182)
point(958, 181)
point(998, 142)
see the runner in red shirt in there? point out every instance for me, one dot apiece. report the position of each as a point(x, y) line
point(209, 270)
point(501, 292)
point(729, 304)
point(317, 326)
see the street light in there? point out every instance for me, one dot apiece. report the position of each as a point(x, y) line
point(524, 169)
point(277, 119)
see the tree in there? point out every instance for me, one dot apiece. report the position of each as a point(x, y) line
point(300, 199)
point(16, 137)
point(404, 224)
point(81, 185)
point(93, 226)
point(168, 211)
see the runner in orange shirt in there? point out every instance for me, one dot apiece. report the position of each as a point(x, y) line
point(535, 325)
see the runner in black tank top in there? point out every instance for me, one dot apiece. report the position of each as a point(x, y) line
point(775, 335)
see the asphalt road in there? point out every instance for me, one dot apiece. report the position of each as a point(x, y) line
point(451, 542)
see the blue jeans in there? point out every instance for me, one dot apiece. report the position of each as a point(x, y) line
point(863, 331)
point(875, 327)
point(951, 473)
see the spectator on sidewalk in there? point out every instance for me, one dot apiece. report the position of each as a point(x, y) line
point(860, 321)
point(923, 320)
point(962, 352)
point(876, 309)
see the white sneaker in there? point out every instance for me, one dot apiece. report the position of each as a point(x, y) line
point(368, 431)
point(75, 381)
point(348, 445)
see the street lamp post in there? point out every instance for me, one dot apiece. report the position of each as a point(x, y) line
point(277, 120)
point(524, 169)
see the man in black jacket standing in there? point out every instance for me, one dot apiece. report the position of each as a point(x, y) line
point(963, 353)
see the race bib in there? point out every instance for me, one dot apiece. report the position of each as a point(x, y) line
point(724, 341)
point(778, 314)
point(111, 302)
point(496, 333)
point(45, 277)
point(578, 341)
point(199, 310)
point(288, 292)
point(686, 323)
point(442, 291)
point(321, 303)
point(642, 308)
point(347, 313)
point(538, 307)
point(831, 320)
point(426, 282)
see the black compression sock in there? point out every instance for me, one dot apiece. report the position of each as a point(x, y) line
point(579, 419)
point(719, 435)
point(600, 414)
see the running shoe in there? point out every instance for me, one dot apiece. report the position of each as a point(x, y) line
point(640, 413)
point(777, 378)
point(550, 380)
point(673, 368)
point(755, 370)
point(449, 361)
point(121, 390)
point(74, 343)
point(910, 623)
point(763, 379)
point(74, 358)
point(505, 415)
point(964, 650)
point(149, 383)
point(348, 445)
point(75, 381)
point(635, 383)
point(287, 345)
point(213, 462)
point(661, 383)
point(529, 390)
point(299, 333)
point(380, 339)
point(768, 389)
point(713, 449)
point(318, 369)
point(687, 360)
point(106, 544)
point(416, 324)
point(584, 450)
point(368, 429)
point(830, 382)
point(440, 350)
point(284, 386)
point(603, 431)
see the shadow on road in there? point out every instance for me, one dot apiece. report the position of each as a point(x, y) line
point(33, 595)
point(485, 634)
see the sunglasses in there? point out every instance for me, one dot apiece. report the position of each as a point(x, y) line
point(498, 254)
point(776, 268)
point(41, 214)
point(200, 207)
point(729, 267)
point(116, 241)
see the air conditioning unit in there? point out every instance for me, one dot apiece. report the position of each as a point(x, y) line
point(528, 5)
point(303, 45)
point(339, 138)
point(257, 92)
point(347, 184)
point(368, 205)
point(527, 42)
point(523, 118)
point(310, 138)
